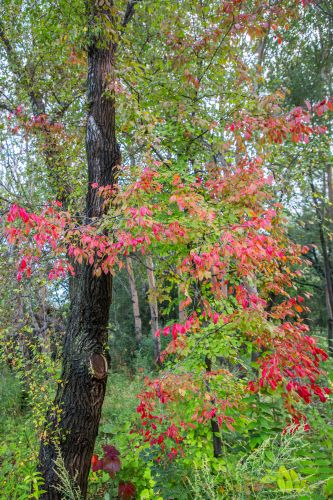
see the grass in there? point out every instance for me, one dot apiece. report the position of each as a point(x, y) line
point(291, 466)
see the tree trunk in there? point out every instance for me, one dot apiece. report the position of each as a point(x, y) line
point(216, 432)
point(153, 309)
point(329, 323)
point(72, 423)
point(181, 310)
point(328, 266)
point(326, 260)
point(135, 301)
point(329, 288)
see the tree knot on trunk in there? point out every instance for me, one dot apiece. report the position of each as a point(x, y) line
point(98, 366)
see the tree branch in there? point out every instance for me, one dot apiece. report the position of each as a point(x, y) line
point(129, 12)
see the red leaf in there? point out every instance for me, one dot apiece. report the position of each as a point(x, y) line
point(126, 491)
point(110, 451)
point(96, 464)
point(111, 465)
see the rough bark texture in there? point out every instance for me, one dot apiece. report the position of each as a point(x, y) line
point(135, 301)
point(80, 395)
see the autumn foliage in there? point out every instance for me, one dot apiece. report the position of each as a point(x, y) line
point(222, 242)
point(219, 237)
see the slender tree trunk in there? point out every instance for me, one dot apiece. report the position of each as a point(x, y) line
point(153, 309)
point(329, 324)
point(47, 142)
point(135, 301)
point(76, 412)
point(326, 260)
point(217, 441)
point(329, 288)
point(181, 310)
point(328, 266)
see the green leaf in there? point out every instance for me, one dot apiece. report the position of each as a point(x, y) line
point(281, 484)
point(328, 489)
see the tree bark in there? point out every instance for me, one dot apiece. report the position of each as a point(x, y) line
point(328, 265)
point(181, 310)
point(153, 309)
point(329, 289)
point(216, 432)
point(72, 423)
point(135, 301)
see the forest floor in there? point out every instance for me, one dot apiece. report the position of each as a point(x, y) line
point(307, 458)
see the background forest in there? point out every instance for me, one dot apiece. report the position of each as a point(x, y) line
point(179, 154)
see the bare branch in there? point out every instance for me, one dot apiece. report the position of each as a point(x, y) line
point(6, 107)
point(129, 12)
point(5, 41)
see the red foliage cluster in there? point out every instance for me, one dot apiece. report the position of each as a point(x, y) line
point(170, 391)
point(233, 17)
point(19, 120)
point(296, 125)
point(36, 233)
point(111, 464)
